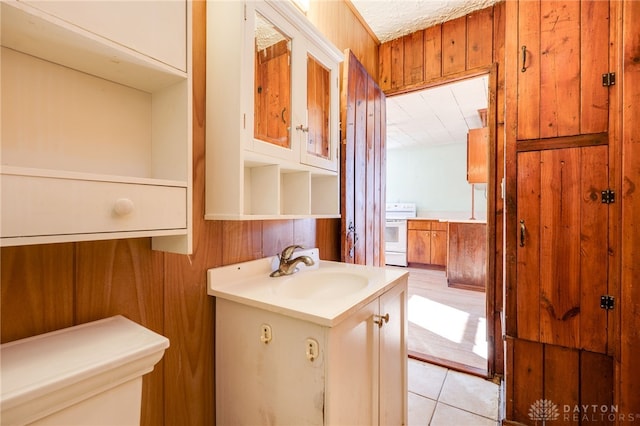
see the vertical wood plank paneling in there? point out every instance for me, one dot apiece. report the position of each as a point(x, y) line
point(594, 98)
point(528, 75)
point(562, 379)
point(413, 57)
point(596, 387)
point(304, 233)
point(384, 55)
point(454, 37)
point(327, 232)
point(397, 63)
point(241, 241)
point(360, 162)
point(560, 247)
point(594, 253)
point(496, 281)
point(560, 68)
point(188, 310)
point(276, 235)
point(432, 52)
point(339, 23)
point(125, 277)
point(347, 153)
point(379, 177)
point(527, 373)
point(528, 253)
point(369, 188)
point(37, 289)
point(629, 399)
point(479, 45)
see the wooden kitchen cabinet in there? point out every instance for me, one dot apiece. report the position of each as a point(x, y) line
point(427, 242)
point(358, 376)
point(477, 155)
point(563, 52)
point(97, 122)
point(467, 258)
point(273, 100)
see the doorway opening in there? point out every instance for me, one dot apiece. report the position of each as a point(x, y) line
point(439, 157)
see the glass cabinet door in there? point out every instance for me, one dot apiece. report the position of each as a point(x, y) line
point(272, 97)
point(318, 108)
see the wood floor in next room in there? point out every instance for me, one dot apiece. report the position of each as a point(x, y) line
point(446, 324)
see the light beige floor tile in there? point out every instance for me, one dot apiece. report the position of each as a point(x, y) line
point(420, 410)
point(445, 415)
point(470, 393)
point(426, 379)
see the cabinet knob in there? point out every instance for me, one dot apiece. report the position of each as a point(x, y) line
point(381, 320)
point(123, 206)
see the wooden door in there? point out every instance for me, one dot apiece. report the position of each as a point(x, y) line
point(363, 160)
point(563, 52)
point(562, 250)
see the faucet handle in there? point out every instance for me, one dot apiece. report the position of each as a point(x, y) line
point(288, 252)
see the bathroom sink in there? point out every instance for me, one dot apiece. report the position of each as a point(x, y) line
point(321, 285)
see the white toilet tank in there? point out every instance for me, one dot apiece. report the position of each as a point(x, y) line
point(90, 374)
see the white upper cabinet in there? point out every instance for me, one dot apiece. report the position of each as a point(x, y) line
point(96, 122)
point(272, 114)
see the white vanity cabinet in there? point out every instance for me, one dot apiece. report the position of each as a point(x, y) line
point(272, 114)
point(96, 122)
point(277, 369)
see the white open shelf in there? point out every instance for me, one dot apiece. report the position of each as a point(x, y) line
point(81, 112)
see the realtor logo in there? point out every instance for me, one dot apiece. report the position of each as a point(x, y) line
point(543, 409)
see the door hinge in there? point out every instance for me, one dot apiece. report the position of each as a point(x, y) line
point(608, 196)
point(609, 79)
point(607, 302)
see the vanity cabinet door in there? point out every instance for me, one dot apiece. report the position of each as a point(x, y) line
point(393, 357)
point(352, 393)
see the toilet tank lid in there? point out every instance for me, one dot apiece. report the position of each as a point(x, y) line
point(44, 363)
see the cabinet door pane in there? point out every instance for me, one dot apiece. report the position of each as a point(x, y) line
point(318, 108)
point(273, 84)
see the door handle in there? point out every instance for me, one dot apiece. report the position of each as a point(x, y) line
point(522, 232)
point(351, 229)
point(524, 58)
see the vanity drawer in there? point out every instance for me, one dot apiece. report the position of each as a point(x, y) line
point(36, 206)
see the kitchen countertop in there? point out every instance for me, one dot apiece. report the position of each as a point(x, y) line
point(249, 283)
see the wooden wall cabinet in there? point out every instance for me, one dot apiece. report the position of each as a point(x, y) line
point(560, 68)
point(427, 242)
point(467, 255)
point(96, 113)
point(359, 376)
point(477, 155)
point(272, 114)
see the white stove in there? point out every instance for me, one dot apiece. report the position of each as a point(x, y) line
point(395, 232)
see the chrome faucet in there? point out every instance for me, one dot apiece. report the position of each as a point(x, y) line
point(287, 265)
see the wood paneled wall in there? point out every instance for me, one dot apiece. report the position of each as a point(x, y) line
point(444, 50)
point(48, 287)
point(340, 24)
point(470, 45)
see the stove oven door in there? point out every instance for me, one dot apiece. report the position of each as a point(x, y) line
point(395, 235)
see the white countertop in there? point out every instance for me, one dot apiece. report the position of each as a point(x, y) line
point(249, 283)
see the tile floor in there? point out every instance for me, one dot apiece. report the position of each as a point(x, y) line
point(440, 397)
